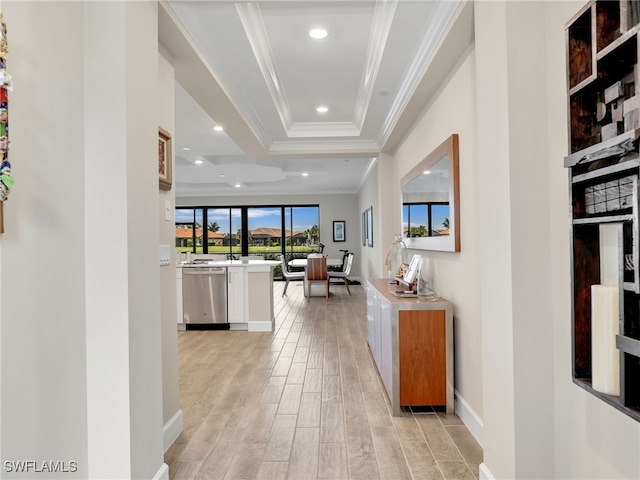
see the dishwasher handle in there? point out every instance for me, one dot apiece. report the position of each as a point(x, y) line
point(199, 271)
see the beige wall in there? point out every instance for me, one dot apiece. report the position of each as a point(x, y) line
point(457, 274)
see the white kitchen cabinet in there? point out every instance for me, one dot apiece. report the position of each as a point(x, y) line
point(236, 295)
point(412, 345)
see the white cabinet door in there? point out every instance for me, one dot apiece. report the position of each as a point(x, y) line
point(386, 348)
point(236, 295)
point(370, 321)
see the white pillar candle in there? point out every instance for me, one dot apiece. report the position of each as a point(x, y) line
point(605, 323)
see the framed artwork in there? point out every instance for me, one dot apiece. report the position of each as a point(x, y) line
point(164, 159)
point(370, 227)
point(364, 228)
point(338, 231)
point(367, 227)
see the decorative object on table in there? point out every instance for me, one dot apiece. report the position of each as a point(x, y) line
point(426, 280)
point(6, 85)
point(396, 260)
point(339, 234)
point(164, 159)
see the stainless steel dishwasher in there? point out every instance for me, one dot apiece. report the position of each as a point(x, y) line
point(204, 297)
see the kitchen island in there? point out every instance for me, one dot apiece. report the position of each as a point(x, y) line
point(249, 292)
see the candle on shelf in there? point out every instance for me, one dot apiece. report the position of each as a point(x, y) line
point(605, 357)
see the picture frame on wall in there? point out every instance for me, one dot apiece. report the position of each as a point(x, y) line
point(370, 227)
point(367, 227)
point(164, 159)
point(339, 231)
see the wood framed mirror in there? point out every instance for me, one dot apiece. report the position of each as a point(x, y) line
point(430, 200)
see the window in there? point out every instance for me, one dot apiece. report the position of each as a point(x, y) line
point(268, 231)
point(224, 227)
point(429, 219)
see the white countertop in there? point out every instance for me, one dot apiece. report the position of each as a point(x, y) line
point(227, 263)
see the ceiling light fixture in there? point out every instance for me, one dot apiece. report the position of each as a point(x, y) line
point(186, 149)
point(237, 185)
point(318, 33)
point(426, 172)
point(218, 128)
point(198, 162)
point(305, 174)
point(322, 109)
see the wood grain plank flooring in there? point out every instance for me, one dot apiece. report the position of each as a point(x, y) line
point(304, 402)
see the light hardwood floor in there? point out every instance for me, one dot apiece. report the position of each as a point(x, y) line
point(304, 402)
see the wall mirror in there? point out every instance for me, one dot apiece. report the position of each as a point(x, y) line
point(430, 201)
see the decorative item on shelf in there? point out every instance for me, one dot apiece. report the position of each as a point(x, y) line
point(6, 85)
point(396, 260)
point(605, 316)
point(426, 280)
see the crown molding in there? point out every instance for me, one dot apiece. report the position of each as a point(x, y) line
point(429, 43)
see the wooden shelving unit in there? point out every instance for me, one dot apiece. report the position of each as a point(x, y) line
point(604, 168)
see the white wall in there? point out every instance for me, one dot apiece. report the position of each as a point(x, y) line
point(332, 207)
point(537, 423)
point(171, 413)
point(592, 439)
point(81, 365)
point(42, 298)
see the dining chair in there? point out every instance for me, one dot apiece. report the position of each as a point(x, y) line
point(288, 276)
point(316, 272)
point(345, 272)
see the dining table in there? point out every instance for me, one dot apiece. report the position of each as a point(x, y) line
point(302, 262)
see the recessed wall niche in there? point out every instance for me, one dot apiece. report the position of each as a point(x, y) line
point(602, 44)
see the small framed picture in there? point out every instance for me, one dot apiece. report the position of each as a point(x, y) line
point(164, 159)
point(338, 231)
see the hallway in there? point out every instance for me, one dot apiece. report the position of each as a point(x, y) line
point(304, 402)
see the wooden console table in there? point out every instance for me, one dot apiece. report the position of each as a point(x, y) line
point(412, 345)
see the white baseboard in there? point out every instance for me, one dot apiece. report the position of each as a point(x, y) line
point(163, 473)
point(484, 473)
point(172, 430)
point(469, 417)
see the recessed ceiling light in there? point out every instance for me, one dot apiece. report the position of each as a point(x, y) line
point(305, 174)
point(186, 149)
point(318, 33)
point(218, 128)
point(322, 109)
point(426, 172)
point(198, 162)
point(221, 175)
point(237, 185)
